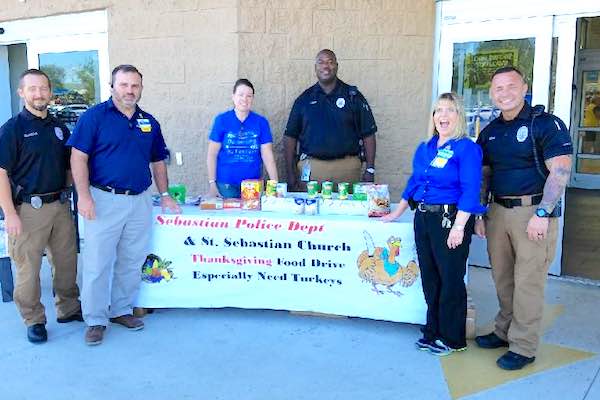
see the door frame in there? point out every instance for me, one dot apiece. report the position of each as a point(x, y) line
point(63, 33)
point(585, 60)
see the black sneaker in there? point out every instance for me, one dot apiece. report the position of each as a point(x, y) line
point(441, 349)
point(424, 344)
point(513, 361)
point(37, 333)
point(490, 341)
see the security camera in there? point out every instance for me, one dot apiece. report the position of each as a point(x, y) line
point(1, 31)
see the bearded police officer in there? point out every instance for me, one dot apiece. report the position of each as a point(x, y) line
point(527, 163)
point(329, 121)
point(34, 176)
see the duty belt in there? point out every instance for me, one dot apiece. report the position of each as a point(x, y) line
point(523, 201)
point(436, 208)
point(37, 200)
point(113, 190)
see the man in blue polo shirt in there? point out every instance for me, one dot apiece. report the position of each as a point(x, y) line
point(526, 166)
point(112, 147)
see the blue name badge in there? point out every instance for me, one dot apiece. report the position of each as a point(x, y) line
point(144, 125)
point(442, 157)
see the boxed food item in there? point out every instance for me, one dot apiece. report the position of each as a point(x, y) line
point(213, 203)
point(271, 189)
point(311, 206)
point(251, 190)
point(177, 192)
point(359, 190)
point(281, 189)
point(232, 203)
point(298, 206)
point(378, 200)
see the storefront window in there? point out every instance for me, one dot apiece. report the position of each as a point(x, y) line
point(75, 83)
point(474, 63)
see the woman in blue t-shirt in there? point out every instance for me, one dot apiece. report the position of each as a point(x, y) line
point(239, 142)
point(444, 189)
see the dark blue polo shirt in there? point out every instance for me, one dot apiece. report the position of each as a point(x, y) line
point(329, 126)
point(119, 149)
point(33, 152)
point(450, 174)
point(508, 149)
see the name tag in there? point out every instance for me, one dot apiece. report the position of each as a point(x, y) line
point(442, 157)
point(144, 125)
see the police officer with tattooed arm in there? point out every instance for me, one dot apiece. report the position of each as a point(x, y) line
point(526, 167)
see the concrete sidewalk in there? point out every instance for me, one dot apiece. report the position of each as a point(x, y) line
point(258, 354)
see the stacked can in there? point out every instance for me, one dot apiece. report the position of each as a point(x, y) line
point(343, 190)
point(327, 189)
point(312, 189)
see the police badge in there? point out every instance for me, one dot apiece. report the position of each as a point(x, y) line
point(59, 133)
point(522, 134)
point(340, 102)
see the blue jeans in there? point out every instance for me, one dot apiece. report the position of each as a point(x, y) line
point(228, 190)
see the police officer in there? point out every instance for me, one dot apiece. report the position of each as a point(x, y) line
point(329, 120)
point(113, 145)
point(526, 166)
point(34, 176)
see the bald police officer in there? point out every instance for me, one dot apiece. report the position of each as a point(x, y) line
point(34, 176)
point(527, 164)
point(328, 121)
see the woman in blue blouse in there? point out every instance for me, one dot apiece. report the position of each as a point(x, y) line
point(240, 141)
point(444, 189)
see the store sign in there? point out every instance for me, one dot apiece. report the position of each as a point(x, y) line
point(341, 265)
point(480, 66)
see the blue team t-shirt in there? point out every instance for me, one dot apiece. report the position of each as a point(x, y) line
point(239, 157)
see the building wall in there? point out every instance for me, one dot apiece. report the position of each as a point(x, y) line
point(191, 52)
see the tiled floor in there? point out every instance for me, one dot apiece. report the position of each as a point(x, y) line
point(260, 354)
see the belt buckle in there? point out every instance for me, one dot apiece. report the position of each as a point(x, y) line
point(421, 207)
point(36, 202)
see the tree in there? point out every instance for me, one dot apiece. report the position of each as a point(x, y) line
point(56, 75)
point(87, 76)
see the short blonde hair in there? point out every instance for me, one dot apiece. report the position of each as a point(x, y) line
point(461, 125)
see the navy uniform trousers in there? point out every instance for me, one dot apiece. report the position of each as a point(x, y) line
point(442, 273)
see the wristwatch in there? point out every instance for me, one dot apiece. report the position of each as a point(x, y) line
point(542, 213)
point(370, 170)
point(164, 194)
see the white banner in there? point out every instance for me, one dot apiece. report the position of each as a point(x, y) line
point(343, 265)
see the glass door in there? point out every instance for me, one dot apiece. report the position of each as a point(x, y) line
point(586, 132)
point(470, 53)
point(74, 69)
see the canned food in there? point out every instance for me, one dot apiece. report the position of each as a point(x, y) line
point(271, 189)
point(312, 188)
point(281, 190)
point(326, 189)
point(343, 188)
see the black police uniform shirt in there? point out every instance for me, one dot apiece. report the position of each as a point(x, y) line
point(508, 149)
point(34, 154)
point(329, 126)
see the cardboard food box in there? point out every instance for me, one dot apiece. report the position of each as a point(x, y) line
point(251, 190)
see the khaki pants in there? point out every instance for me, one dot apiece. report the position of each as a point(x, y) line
point(347, 169)
point(49, 227)
point(519, 269)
